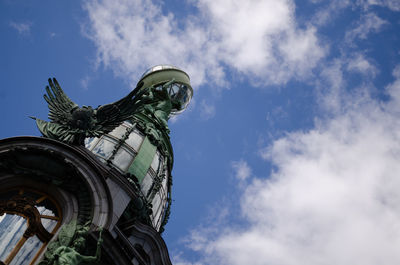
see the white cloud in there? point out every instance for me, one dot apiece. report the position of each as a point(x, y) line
point(331, 84)
point(258, 39)
point(393, 91)
point(327, 12)
point(207, 110)
point(369, 23)
point(391, 4)
point(330, 88)
point(242, 169)
point(362, 65)
point(85, 82)
point(22, 28)
point(333, 198)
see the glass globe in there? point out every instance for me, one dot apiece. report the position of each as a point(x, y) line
point(180, 91)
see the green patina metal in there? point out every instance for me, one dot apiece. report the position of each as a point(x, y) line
point(70, 243)
point(142, 161)
point(161, 92)
point(72, 124)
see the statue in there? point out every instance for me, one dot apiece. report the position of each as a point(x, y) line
point(66, 250)
point(72, 124)
point(159, 104)
point(64, 255)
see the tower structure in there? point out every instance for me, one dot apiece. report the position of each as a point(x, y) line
point(96, 188)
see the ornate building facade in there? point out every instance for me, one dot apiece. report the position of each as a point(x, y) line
point(96, 188)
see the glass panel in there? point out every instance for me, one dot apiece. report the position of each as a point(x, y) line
point(156, 204)
point(45, 211)
point(157, 218)
point(91, 142)
point(12, 227)
point(156, 162)
point(47, 223)
point(27, 252)
point(135, 140)
point(49, 206)
point(183, 97)
point(174, 90)
point(163, 200)
point(164, 182)
point(146, 184)
point(157, 215)
point(119, 131)
point(123, 159)
point(104, 148)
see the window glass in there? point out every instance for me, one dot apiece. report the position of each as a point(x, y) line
point(134, 140)
point(156, 162)
point(31, 211)
point(119, 131)
point(104, 148)
point(91, 142)
point(46, 206)
point(146, 184)
point(123, 159)
point(157, 216)
point(12, 227)
point(162, 202)
point(164, 182)
point(28, 251)
point(156, 204)
point(175, 89)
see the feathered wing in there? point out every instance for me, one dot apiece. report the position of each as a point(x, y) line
point(63, 115)
point(112, 115)
point(65, 236)
point(67, 232)
point(56, 131)
point(60, 105)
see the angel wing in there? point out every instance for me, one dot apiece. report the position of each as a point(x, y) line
point(60, 105)
point(65, 236)
point(67, 232)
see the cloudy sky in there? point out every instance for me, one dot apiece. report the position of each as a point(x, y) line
point(289, 151)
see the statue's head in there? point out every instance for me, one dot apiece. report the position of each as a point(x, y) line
point(78, 243)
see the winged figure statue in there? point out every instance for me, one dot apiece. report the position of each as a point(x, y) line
point(72, 124)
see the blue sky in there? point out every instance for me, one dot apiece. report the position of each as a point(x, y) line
point(289, 151)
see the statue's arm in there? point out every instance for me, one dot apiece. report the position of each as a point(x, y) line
point(54, 256)
point(98, 250)
point(93, 258)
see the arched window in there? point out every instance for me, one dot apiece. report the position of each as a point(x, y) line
point(28, 220)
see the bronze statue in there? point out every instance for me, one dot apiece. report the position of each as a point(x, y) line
point(72, 124)
point(65, 255)
point(66, 250)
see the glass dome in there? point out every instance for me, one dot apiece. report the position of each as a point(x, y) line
point(158, 68)
point(180, 96)
point(180, 90)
